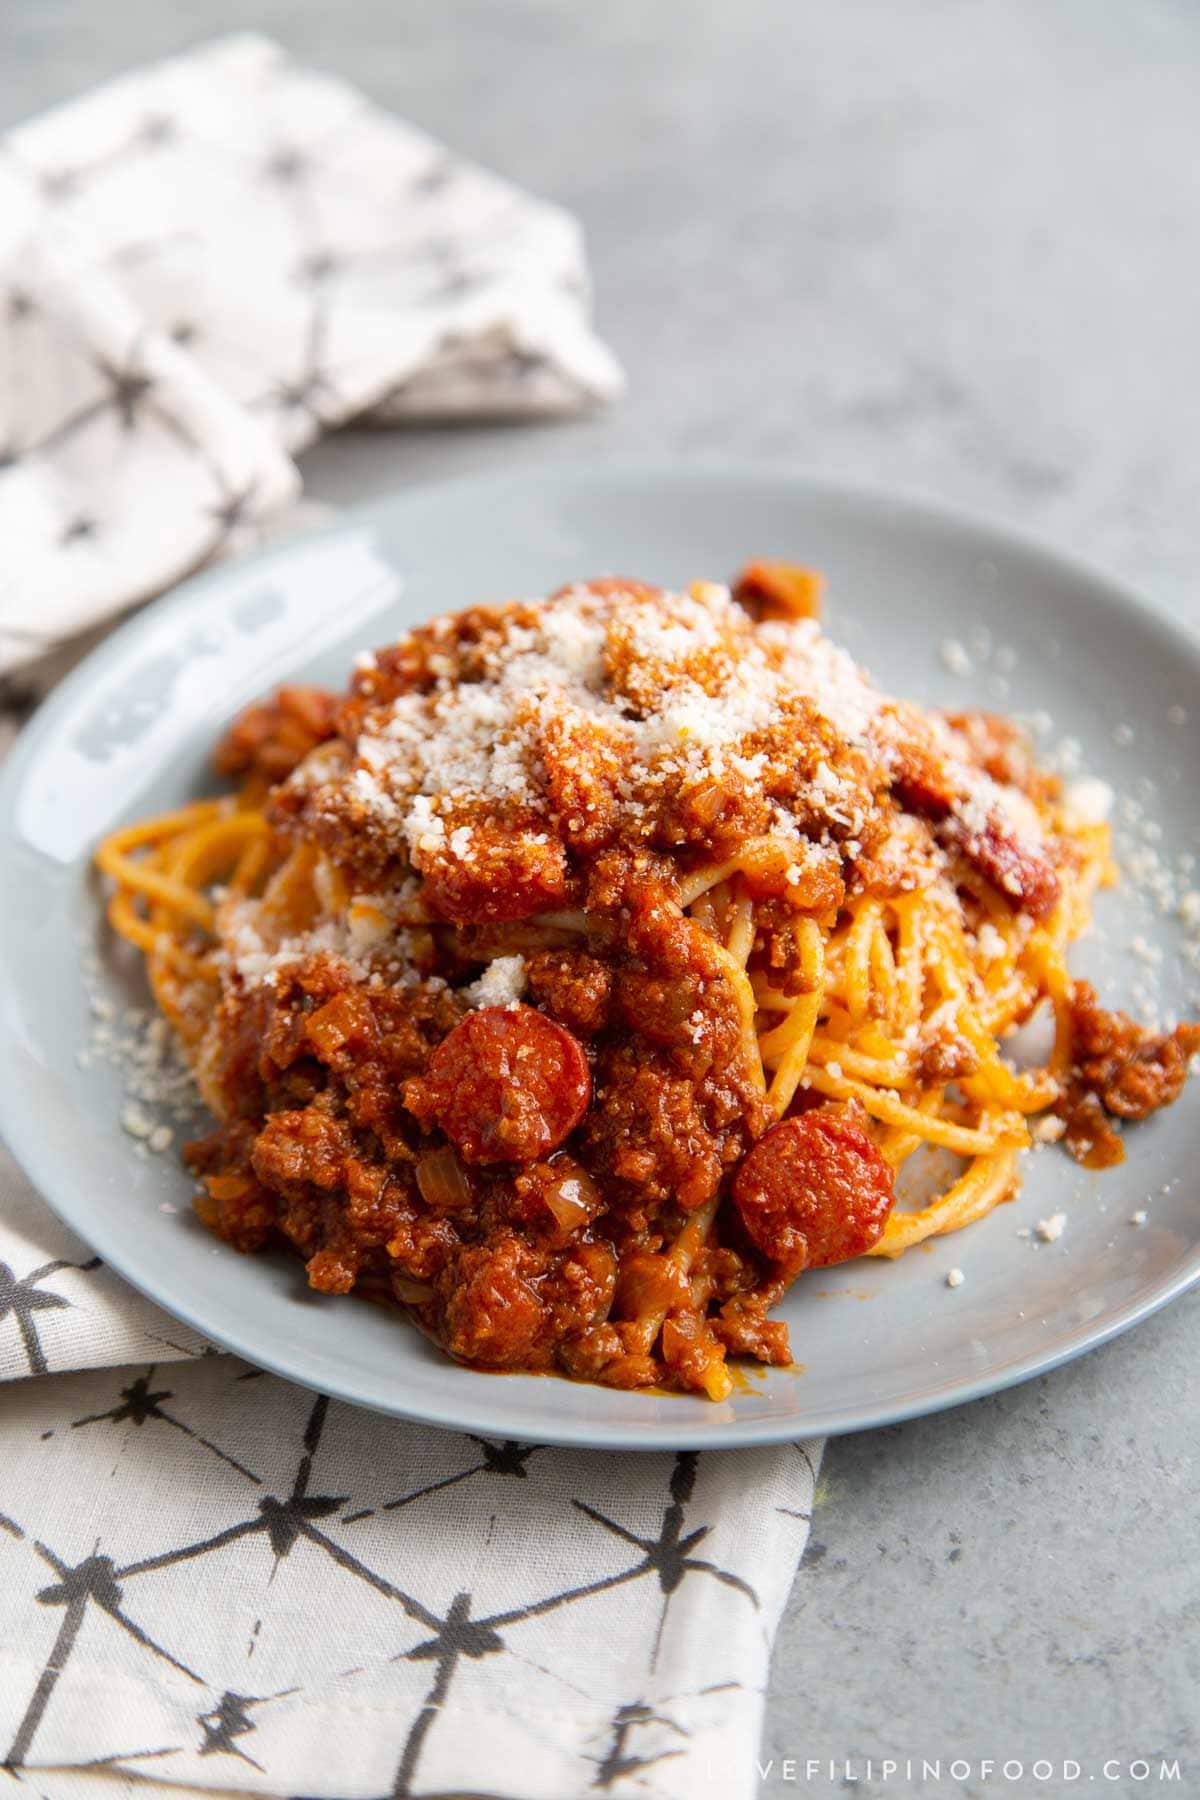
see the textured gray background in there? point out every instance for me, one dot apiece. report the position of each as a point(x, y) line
point(949, 245)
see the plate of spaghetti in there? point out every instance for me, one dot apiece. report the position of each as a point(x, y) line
point(608, 977)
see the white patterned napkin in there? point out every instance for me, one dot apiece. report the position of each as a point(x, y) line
point(211, 1579)
point(207, 264)
point(60, 1308)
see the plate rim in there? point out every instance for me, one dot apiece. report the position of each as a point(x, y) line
point(18, 1128)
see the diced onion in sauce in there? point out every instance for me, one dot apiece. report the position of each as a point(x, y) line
point(572, 1200)
point(649, 1285)
point(227, 1187)
point(443, 1181)
point(413, 1293)
point(706, 801)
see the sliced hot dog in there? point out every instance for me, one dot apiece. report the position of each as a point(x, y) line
point(814, 1190)
point(507, 1085)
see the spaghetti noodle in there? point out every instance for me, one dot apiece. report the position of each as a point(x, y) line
point(596, 965)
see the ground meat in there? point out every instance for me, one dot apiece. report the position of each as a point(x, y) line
point(490, 1310)
point(1023, 876)
point(296, 1149)
point(572, 986)
point(1121, 1067)
point(946, 1058)
point(743, 1327)
point(272, 737)
point(580, 771)
point(906, 858)
point(647, 1129)
point(455, 648)
point(556, 1199)
point(814, 1190)
point(779, 591)
point(1002, 750)
point(510, 874)
point(507, 1085)
point(587, 1355)
point(507, 1304)
point(712, 816)
point(579, 1287)
point(235, 1048)
point(1089, 1134)
point(336, 1207)
point(927, 782)
point(275, 1048)
point(232, 1202)
point(664, 1128)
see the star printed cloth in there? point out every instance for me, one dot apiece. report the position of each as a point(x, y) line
point(208, 263)
point(213, 1581)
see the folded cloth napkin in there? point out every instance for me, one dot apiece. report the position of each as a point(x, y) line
point(210, 1579)
point(207, 264)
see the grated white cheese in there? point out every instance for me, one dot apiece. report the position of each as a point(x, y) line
point(502, 983)
point(366, 941)
point(147, 1056)
point(367, 924)
point(1088, 801)
point(668, 690)
point(1051, 1229)
point(955, 1278)
point(990, 942)
point(135, 1121)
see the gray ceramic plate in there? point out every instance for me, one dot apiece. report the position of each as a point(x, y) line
point(130, 733)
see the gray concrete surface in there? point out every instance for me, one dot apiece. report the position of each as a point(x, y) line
point(950, 245)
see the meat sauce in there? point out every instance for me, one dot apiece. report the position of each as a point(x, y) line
point(1120, 1071)
point(519, 1173)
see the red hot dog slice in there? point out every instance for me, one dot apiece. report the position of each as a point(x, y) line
point(814, 1190)
point(507, 1085)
